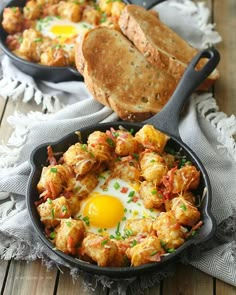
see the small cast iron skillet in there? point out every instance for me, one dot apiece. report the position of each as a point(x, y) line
point(166, 121)
point(46, 73)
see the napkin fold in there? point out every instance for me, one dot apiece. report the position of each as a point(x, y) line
point(208, 132)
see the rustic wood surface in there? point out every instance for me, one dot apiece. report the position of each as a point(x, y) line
point(20, 277)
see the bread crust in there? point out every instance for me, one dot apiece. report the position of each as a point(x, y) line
point(120, 77)
point(158, 43)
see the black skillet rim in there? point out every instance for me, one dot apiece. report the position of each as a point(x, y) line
point(121, 272)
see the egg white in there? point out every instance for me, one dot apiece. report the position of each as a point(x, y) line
point(131, 209)
point(67, 28)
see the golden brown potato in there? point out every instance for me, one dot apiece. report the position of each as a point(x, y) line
point(149, 250)
point(70, 11)
point(184, 212)
point(100, 249)
point(100, 145)
point(53, 179)
point(91, 15)
point(105, 6)
point(137, 226)
point(52, 211)
point(31, 44)
point(153, 166)
point(12, 20)
point(83, 185)
point(183, 179)
point(117, 8)
point(126, 144)
point(13, 41)
point(79, 158)
point(74, 204)
point(126, 170)
point(69, 235)
point(151, 138)
point(31, 10)
point(150, 195)
point(168, 230)
point(54, 57)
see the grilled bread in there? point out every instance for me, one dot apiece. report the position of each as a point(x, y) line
point(158, 43)
point(119, 76)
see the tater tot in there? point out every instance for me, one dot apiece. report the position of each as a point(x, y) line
point(101, 146)
point(149, 250)
point(91, 16)
point(117, 8)
point(31, 10)
point(100, 249)
point(184, 212)
point(54, 57)
point(69, 235)
point(70, 11)
point(52, 211)
point(151, 138)
point(79, 158)
point(126, 144)
point(53, 179)
point(150, 195)
point(183, 179)
point(31, 44)
point(12, 20)
point(127, 171)
point(74, 204)
point(153, 166)
point(168, 230)
point(137, 226)
point(83, 185)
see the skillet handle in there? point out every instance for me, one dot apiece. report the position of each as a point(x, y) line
point(167, 119)
point(148, 4)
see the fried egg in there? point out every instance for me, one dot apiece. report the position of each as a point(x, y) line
point(107, 208)
point(61, 29)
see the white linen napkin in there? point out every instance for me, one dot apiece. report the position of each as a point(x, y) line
point(206, 130)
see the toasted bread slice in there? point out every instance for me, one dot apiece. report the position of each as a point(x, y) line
point(119, 76)
point(160, 44)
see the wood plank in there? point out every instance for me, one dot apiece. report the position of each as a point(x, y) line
point(188, 281)
point(3, 103)
point(225, 88)
point(3, 273)
point(66, 286)
point(29, 278)
point(224, 289)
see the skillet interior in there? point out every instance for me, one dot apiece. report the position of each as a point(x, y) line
point(38, 159)
point(45, 73)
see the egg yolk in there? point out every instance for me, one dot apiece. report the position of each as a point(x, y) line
point(63, 30)
point(104, 211)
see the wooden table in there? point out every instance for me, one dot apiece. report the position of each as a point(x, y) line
point(19, 277)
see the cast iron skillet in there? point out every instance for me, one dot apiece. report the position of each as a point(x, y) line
point(46, 73)
point(166, 121)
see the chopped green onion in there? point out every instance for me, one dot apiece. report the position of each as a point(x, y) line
point(53, 213)
point(131, 194)
point(52, 235)
point(64, 208)
point(134, 243)
point(68, 223)
point(53, 170)
point(104, 242)
point(136, 156)
point(116, 185)
point(110, 142)
point(49, 201)
point(154, 253)
point(86, 220)
point(183, 207)
point(154, 192)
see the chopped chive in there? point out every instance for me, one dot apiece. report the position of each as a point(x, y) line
point(79, 216)
point(193, 233)
point(129, 201)
point(152, 161)
point(68, 223)
point(125, 210)
point(183, 207)
point(52, 235)
point(154, 253)
point(131, 131)
point(136, 156)
point(116, 185)
point(118, 228)
point(38, 39)
point(154, 192)
point(64, 208)
point(86, 220)
point(49, 201)
point(131, 194)
point(134, 243)
point(101, 176)
point(124, 218)
point(84, 147)
point(110, 142)
point(104, 242)
point(53, 213)
point(53, 170)
point(100, 230)
point(170, 250)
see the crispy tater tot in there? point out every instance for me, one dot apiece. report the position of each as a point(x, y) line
point(150, 195)
point(12, 20)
